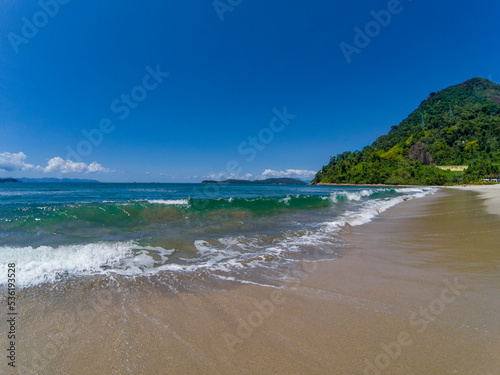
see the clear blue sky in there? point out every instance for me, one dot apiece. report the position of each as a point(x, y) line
point(230, 71)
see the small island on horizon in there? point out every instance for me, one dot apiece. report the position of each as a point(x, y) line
point(47, 180)
point(267, 181)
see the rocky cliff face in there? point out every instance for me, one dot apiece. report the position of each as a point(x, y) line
point(417, 153)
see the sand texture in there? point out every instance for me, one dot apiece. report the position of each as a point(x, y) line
point(417, 293)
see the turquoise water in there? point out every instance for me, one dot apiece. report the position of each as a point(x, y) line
point(59, 231)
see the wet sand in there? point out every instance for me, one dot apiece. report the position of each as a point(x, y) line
point(417, 293)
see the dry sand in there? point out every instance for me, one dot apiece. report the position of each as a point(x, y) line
point(416, 294)
point(491, 194)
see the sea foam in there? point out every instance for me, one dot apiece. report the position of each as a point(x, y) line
point(46, 264)
point(36, 265)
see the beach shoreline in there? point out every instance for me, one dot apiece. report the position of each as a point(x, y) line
point(372, 185)
point(490, 193)
point(415, 293)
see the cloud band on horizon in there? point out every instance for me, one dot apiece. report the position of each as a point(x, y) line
point(12, 162)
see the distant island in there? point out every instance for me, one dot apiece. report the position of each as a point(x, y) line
point(453, 137)
point(48, 180)
point(8, 180)
point(268, 181)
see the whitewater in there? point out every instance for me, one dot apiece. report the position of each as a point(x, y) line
point(58, 232)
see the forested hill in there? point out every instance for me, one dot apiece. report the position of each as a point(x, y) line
point(459, 125)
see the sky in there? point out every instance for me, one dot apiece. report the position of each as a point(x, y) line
point(182, 91)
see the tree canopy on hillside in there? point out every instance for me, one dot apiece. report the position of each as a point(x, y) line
point(459, 125)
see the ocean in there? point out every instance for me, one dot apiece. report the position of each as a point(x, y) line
point(167, 232)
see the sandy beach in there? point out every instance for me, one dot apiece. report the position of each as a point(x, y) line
point(490, 194)
point(231, 187)
point(417, 293)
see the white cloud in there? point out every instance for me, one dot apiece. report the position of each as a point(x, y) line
point(248, 176)
point(59, 165)
point(96, 167)
point(14, 162)
point(293, 173)
point(225, 176)
point(215, 176)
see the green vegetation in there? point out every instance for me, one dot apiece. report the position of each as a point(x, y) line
point(459, 125)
